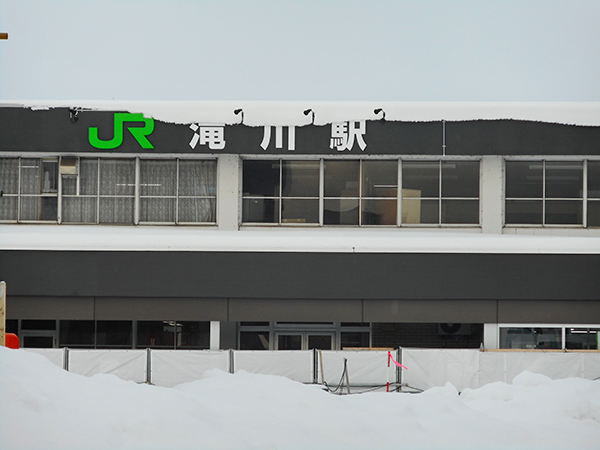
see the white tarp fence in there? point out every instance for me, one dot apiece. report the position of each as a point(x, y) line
point(297, 365)
point(169, 368)
point(464, 368)
point(55, 355)
point(129, 365)
point(365, 368)
point(473, 368)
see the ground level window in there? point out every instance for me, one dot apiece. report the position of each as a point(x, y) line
point(531, 338)
point(582, 338)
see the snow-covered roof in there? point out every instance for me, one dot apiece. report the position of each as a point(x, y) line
point(292, 113)
point(319, 240)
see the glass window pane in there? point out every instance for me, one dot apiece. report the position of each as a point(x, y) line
point(460, 179)
point(421, 178)
point(564, 180)
point(49, 177)
point(114, 333)
point(524, 212)
point(289, 342)
point(379, 212)
point(156, 334)
point(38, 324)
point(593, 179)
point(320, 342)
point(117, 177)
point(261, 178)
point(157, 209)
point(260, 210)
point(415, 211)
point(78, 333)
point(524, 179)
point(193, 335)
point(300, 178)
point(354, 339)
point(197, 210)
point(380, 178)
point(254, 340)
point(460, 211)
point(9, 207)
point(158, 178)
point(593, 213)
point(88, 176)
point(79, 209)
point(30, 176)
point(69, 185)
point(300, 211)
point(9, 175)
point(564, 212)
point(340, 212)
point(116, 210)
point(197, 178)
point(49, 208)
point(341, 179)
point(531, 338)
point(582, 338)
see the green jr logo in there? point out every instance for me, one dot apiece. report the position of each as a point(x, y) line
point(139, 133)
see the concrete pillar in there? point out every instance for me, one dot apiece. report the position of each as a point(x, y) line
point(492, 194)
point(215, 335)
point(228, 192)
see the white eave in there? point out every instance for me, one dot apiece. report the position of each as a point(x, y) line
point(317, 240)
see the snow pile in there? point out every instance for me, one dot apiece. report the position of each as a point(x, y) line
point(292, 113)
point(44, 407)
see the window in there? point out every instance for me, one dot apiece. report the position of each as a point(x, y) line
point(440, 192)
point(593, 194)
point(303, 336)
point(173, 334)
point(360, 192)
point(276, 191)
point(569, 337)
point(531, 338)
point(107, 190)
point(547, 192)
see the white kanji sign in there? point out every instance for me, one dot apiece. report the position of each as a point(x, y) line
point(344, 134)
point(211, 135)
point(279, 137)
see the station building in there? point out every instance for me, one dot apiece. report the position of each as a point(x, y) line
point(288, 226)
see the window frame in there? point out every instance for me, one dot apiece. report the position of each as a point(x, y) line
point(584, 197)
point(360, 197)
point(97, 195)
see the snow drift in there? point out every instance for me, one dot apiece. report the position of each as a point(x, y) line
point(44, 407)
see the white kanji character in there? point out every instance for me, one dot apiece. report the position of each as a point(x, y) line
point(279, 137)
point(213, 136)
point(344, 134)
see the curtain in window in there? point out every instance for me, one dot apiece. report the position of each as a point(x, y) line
point(117, 188)
point(197, 179)
point(9, 185)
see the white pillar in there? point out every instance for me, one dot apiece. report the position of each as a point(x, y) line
point(492, 194)
point(215, 335)
point(490, 336)
point(228, 192)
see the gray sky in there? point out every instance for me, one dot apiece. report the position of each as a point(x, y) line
point(420, 50)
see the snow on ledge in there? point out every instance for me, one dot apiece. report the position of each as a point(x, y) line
point(292, 113)
point(171, 238)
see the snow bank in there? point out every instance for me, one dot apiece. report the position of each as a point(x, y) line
point(44, 407)
point(292, 113)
